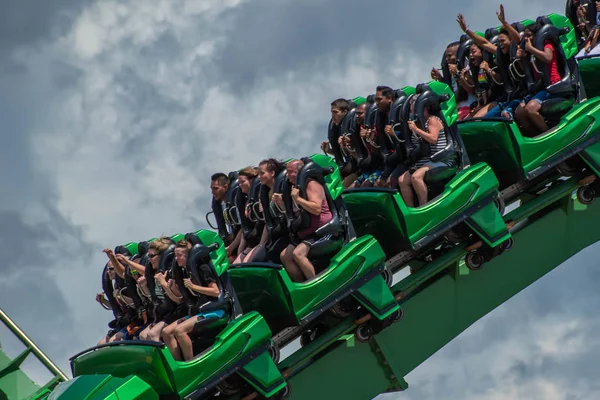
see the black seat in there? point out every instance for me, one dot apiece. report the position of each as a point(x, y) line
point(335, 233)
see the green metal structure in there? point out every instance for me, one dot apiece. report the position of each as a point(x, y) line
point(14, 383)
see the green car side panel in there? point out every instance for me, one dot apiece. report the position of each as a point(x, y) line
point(490, 226)
point(240, 337)
point(266, 377)
point(504, 148)
point(591, 155)
point(466, 189)
point(263, 290)
point(275, 295)
point(219, 256)
point(492, 142)
point(376, 296)
point(353, 261)
point(158, 368)
point(409, 90)
point(568, 40)
point(104, 387)
point(588, 70)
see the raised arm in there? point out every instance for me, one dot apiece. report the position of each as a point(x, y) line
point(119, 268)
point(132, 264)
point(512, 32)
point(478, 40)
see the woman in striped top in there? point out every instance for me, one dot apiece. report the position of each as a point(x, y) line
point(412, 181)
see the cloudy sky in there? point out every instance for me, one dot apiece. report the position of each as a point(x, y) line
point(114, 114)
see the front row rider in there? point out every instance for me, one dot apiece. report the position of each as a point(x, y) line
point(202, 284)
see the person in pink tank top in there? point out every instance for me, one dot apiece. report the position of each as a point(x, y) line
point(295, 256)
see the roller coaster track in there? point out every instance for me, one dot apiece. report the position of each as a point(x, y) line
point(441, 300)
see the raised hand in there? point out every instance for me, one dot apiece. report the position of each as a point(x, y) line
point(461, 22)
point(500, 15)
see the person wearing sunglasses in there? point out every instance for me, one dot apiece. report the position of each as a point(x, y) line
point(166, 296)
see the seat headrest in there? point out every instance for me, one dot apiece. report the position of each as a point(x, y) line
point(143, 248)
point(428, 99)
point(199, 254)
point(518, 26)
point(166, 258)
point(462, 54)
point(543, 20)
point(254, 189)
point(546, 32)
point(370, 115)
point(398, 93)
point(347, 122)
point(422, 88)
point(371, 99)
point(192, 238)
point(351, 104)
point(491, 32)
point(396, 107)
point(463, 38)
point(122, 250)
point(279, 179)
point(233, 175)
point(232, 190)
point(312, 170)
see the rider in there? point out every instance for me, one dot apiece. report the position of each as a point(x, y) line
point(246, 177)
point(463, 92)
point(167, 296)
point(485, 74)
point(528, 112)
point(433, 134)
point(269, 248)
point(295, 256)
point(201, 284)
point(219, 184)
point(347, 164)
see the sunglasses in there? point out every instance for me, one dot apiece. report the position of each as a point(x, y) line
point(152, 255)
point(111, 268)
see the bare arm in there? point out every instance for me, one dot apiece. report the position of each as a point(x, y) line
point(168, 287)
point(544, 55)
point(132, 264)
point(211, 290)
point(478, 40)
point(119, 268)
point(512, 32)
point(431, 136)
point(315, 194)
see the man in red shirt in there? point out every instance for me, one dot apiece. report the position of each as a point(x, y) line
point(528, 113)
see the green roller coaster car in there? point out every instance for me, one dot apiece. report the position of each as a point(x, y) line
point(519, 161)
point(354, 271)
point(466, 194)
point(144, 370)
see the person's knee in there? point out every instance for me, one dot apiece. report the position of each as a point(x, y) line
point(298, 254)
point(180, 333)
point(532, 107)
point(417, 178)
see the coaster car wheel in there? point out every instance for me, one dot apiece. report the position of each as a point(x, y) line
point(274, 353)
point(474, 261)
point(586, 195)
point(363, 333)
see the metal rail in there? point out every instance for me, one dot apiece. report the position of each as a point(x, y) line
point(31, 346)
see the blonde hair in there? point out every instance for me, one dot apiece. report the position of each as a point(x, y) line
point(161, 244)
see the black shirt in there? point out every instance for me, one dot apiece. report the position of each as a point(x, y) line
point(203, 275)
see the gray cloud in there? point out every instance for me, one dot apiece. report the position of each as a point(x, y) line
point(135, 114)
